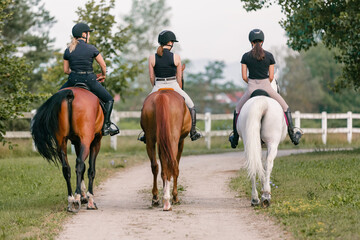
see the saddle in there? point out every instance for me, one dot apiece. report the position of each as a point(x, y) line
point(259, 92)
point(84, 86)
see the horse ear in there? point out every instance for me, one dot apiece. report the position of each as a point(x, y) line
point(183, 67)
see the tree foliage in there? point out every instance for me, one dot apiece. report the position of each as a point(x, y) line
point(14, 75)
point(335, 22)
point(28, 28)
point(308, 79)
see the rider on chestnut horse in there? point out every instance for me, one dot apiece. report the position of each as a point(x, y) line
point(165, 72)
point(78, 60)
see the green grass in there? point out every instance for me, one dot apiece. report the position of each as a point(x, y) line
point(33, 192)
point(314, 195)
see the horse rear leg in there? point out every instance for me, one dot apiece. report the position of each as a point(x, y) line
point(83, 186)
point(268, 166)
point(150, 148)
point(66, 169)
point(94, 150)
point(175, 191)
point(80, 168)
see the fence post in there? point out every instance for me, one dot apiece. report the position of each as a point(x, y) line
point(115, 118)
point(324, 127)
point(349, 127)
point(208, 129)
point(297, 119)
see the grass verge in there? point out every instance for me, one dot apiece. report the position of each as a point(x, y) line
point(314, 195)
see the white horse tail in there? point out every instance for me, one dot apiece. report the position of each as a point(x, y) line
point(253, 140)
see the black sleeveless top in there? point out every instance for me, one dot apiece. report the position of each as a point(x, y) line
point(164, 65)
point(82, 58)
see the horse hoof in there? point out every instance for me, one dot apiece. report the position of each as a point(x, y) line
point(92, 207)
point(84, 200)
point(155, 202)
point(265, 203)
point(255, 202)
point(167, 206)
point(76, 206)
point(175, 201)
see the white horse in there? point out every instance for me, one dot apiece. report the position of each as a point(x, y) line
point(261, 120)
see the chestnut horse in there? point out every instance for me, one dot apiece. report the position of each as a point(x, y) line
point(166, 121)
point(75, 114)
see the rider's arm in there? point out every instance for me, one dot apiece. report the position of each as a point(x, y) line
point(67, 67)
point(244, 72)
point(102, 64)
point(271, 72)
point(177, 62)
point(151, 69)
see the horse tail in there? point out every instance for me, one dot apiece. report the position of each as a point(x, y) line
point(252, 146)
point(45, 125)
point(163, 135)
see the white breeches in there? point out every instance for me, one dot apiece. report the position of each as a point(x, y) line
point(174, 85)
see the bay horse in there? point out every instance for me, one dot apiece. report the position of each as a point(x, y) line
point(166, 121)
point(71, 114)
point(261, 121)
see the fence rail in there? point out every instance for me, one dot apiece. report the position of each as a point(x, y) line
point(208, 117)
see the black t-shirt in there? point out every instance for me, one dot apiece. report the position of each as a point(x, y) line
point(258, 69)
point(82, 58)
point(164, 65)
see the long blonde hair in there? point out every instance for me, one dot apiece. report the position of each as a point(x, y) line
point(73, 44)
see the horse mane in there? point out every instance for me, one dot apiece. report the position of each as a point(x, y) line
point(163, 132)
point(45, 125)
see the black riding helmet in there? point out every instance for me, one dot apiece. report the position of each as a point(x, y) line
point(166, 36)
point(79, 28)
point(256, 34)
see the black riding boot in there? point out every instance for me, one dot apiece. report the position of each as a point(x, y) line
point(234, 138)
point(107, 127)
point(294, 136)
point(194, 135)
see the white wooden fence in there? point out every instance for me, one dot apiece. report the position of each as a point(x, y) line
point(208, 117)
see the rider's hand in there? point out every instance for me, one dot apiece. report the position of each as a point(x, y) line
point(100, 77)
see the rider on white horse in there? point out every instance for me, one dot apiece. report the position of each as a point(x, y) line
point(261, 65)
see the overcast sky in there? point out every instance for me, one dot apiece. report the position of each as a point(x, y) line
point(206, 29)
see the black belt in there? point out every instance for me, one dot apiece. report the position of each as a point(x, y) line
point(85, 72)
point(165, 79)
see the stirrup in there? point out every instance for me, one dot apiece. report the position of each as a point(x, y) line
point(232, 140)
point(195, 136)
point(110, 130)
point(142, 137)
point(295, 134)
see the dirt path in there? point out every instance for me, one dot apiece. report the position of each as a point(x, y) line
point(208, 210)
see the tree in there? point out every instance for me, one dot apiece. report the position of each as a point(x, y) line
point(335, 22)
point(28, 28)
point(14, 75)
point(205, 87)
point(308, 79)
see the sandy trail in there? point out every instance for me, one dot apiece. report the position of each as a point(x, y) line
point(208, 210)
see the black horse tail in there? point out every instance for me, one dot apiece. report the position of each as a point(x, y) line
point(45, 124)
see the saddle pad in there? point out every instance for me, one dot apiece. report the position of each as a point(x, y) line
point(161, 89)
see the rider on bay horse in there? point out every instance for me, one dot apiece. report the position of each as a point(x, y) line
point(78, 60)
point(261, 72)
point(165, 72)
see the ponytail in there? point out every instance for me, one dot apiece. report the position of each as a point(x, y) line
point(73, 44)
point(258, 52)
point(160, 50)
